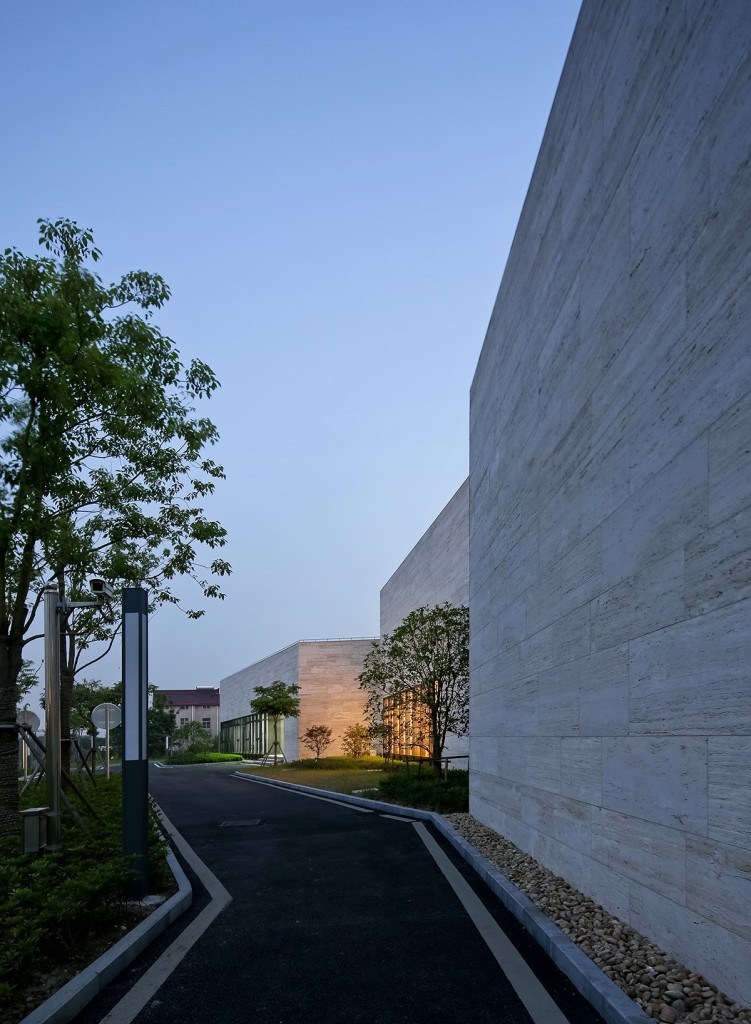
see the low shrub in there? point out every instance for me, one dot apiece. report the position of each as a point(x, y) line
point(428, 790)
point(49, 901)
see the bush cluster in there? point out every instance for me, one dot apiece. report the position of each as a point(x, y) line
point(50, 902)
point(207, 758)
point(427, 789)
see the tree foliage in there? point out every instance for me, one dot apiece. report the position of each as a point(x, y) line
point(192, 738)
point(102, 458)
point(317, 738)
point(89, 693)
point(277, 700)
point(356, 741)
point(427, 658)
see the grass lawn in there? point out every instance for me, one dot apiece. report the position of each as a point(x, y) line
point(341, 780)
point(395, 783)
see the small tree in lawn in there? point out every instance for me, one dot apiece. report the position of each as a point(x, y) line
point(317, 738)
point(279, 700)
point(426, 658)
point(356, 741)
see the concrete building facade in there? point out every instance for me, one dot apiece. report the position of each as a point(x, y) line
point(436, 570)
point(326, 672)
point(610, 488)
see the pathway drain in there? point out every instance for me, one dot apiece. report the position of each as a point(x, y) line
point(234, 824)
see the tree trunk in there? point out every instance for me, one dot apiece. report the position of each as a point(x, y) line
point(10, 666)
point(436, 748)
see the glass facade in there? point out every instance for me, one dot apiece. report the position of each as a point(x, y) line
point(407, 726)
point(247, 735)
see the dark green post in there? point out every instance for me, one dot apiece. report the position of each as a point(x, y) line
point(135, 736)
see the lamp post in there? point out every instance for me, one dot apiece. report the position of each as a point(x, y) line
point(135, 736)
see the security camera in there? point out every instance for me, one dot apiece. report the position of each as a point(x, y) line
point(101, 589)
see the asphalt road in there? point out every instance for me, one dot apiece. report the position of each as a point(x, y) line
point(336, 917)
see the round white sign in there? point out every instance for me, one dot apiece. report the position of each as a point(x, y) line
point(27, 717)
point(100, 714)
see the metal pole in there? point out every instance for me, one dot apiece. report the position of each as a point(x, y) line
point(107, 739)
point(52, 714)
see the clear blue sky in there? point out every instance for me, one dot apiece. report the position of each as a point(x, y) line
point(330, 188)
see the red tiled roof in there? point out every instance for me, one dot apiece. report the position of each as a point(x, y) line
point(208, 697)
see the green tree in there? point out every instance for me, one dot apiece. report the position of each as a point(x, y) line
point(427, 657)
point(278, 700)
point(161, 721)
point(356, 741)
point(28, 678)
point(102, 458)
point(193, 738)
point(87, 694)
point(317, 738)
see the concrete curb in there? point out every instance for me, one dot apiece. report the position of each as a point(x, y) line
point(610, 1001)
point(69, 1000)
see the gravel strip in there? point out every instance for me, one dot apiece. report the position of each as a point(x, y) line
point(664, 989)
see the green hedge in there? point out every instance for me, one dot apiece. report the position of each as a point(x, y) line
point(208, 758)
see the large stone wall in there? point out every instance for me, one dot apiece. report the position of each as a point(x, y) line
point(436, 570)
point(610, 488)
point(326, 672)
point(330, 693)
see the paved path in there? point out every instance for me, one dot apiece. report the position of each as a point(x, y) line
point(333, 916)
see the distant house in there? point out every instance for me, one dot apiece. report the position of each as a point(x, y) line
point(198, 705)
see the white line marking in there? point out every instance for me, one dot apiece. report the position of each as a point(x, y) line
point(148, 984)
point(539, 1004)
point(314, 796)
point(398, 817)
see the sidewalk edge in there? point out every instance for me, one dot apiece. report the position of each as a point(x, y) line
point(63, 1005)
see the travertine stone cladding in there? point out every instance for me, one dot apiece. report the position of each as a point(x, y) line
point(330, 693)
point(326, 672)
point(610, 488)
point(435, 571)
point(437, 568)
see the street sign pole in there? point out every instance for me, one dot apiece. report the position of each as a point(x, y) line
point(135, 738)
point(106, 716)
point(107, 739)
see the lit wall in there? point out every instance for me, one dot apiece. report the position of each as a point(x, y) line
point(326, 672)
